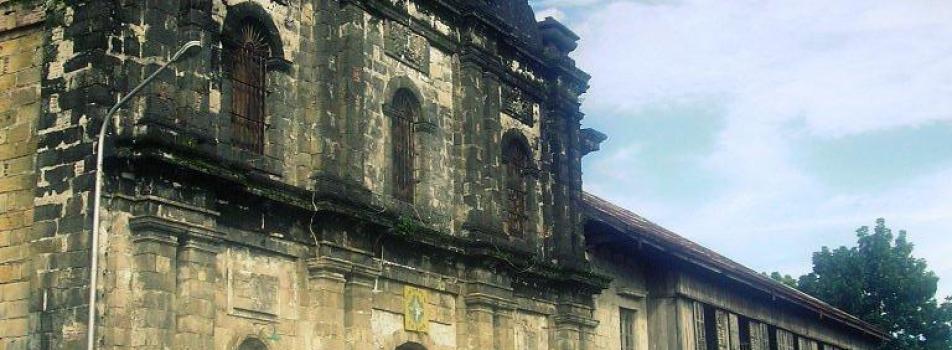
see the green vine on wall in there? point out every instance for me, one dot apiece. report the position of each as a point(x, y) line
point(405, 226)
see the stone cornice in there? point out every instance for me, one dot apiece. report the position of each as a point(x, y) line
point(489, 301)
point(207, 171)
point(575, 321)
point(467, 17)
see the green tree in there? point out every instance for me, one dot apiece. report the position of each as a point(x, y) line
point(881, 282)
point(785, 279)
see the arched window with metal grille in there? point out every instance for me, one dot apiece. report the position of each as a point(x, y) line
point(248, 74)
point(517, 164)
point(404, 110)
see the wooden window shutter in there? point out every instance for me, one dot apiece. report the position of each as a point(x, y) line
point(627, 331)
point(759, 336)
point(765, 336)
point(700, 338)
point(722, 323)
point(734, 331)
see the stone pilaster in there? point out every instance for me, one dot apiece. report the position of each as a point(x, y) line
point(325, 310)
point(488, 311)
point(504, 332)
point(479, 323)
point(587, 336)
point(152, 315)
point(575, 327)
point(566, 335)
point(358, 301)
point(347, 162)
point(198, 277)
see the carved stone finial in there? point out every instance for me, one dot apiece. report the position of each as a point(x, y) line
point(554, 33)
point(591, 140)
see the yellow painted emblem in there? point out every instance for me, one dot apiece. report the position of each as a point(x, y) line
point(415, 316)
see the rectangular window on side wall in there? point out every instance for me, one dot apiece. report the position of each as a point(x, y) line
point(807, 344)
point(744, 333)
point(627, 332)
point(722, 321)
point(785, 340)
point(734, 324)
point(759, 335)
point(711, 327)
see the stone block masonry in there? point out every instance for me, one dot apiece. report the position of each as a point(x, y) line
point(21, 40)
point(305, 242)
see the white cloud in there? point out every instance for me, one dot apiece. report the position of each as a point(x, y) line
point(786, 71)
point(550, 12)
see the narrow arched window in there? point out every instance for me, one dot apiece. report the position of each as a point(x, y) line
point(516, 158)
point(248, 76)
point(405, 109)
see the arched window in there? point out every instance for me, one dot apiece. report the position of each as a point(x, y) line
point(516, 159)
point(248, 73)
point(252, 344)
point(405, 109)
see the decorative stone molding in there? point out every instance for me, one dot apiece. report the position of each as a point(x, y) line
point(632, 293)
point(576, 318)
point(516, 103)
point(190, 235)
point(328, 268)
point(406, 46)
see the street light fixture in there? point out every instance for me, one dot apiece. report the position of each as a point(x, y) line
point(190, 48)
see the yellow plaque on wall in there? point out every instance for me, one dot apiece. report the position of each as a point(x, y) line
point(415, 316)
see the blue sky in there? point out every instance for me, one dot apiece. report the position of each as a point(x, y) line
point(766, 129)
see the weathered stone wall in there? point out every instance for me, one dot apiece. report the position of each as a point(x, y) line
point(21, 63)
point(205, 245)
point(627, 290)
point(435, 166)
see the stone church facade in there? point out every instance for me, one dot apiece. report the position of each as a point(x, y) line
point(338, 174)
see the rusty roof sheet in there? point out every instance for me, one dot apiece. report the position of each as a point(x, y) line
point(600, 209)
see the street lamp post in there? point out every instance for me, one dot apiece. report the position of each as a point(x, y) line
point(189, 48)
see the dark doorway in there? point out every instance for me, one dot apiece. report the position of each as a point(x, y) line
point(411, 346)
point(252, 344)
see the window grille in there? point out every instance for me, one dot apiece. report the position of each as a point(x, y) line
point(248, 88)
point(405, 110)
point(517, 164)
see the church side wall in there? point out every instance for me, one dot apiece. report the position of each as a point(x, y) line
point(692, 288)
point(627, 290)
point(176, 279)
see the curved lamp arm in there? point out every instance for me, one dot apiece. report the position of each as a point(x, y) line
point(189, 48)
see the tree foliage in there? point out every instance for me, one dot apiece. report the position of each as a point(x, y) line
point(785, 279)
point(881, 282)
